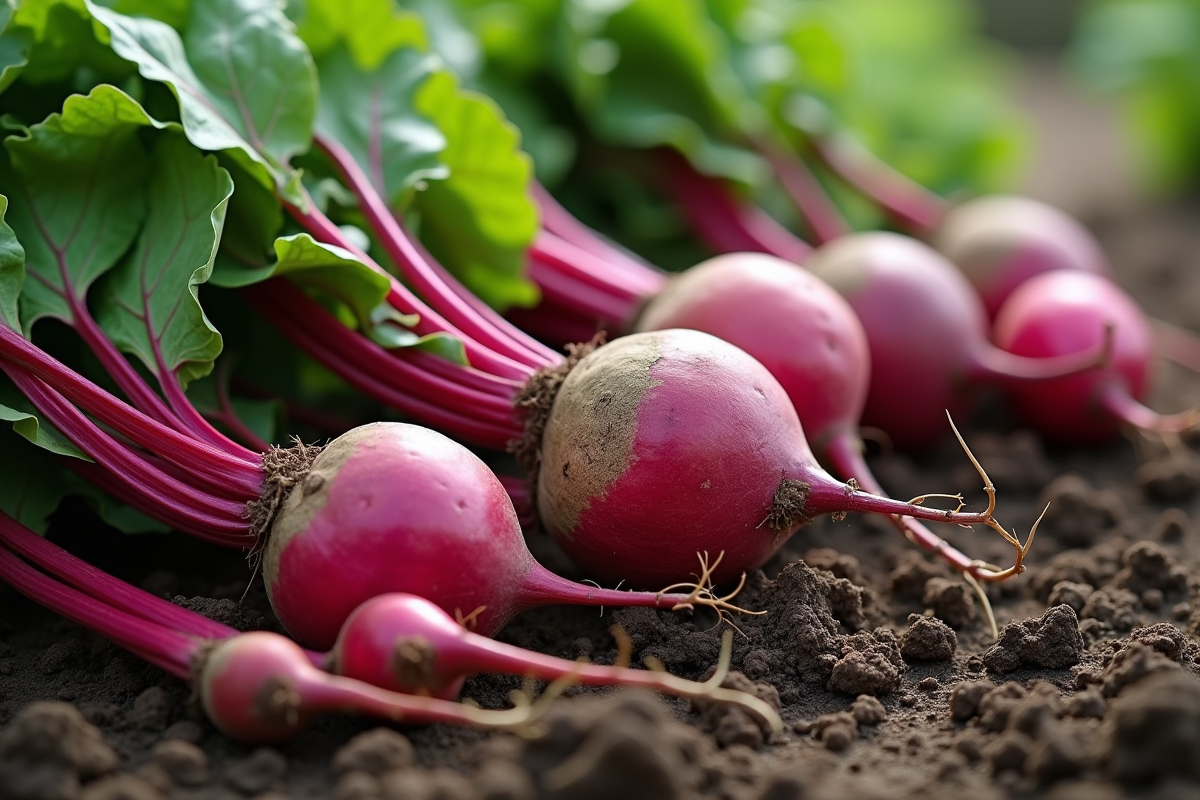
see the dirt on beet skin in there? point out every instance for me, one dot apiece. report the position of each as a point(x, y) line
point(878, 657)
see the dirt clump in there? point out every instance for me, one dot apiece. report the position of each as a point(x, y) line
point(1072, 594)
point(1153, 730)
point(48, 751)
point(1170, 479)
point(927, 639)
point(1076, 513)
point(1052, 641)
point(951, 601)
point(871, 663)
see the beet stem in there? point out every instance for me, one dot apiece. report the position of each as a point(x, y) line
point(169, 650)
point(443, 291)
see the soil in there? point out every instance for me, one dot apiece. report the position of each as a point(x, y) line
point(878, 657)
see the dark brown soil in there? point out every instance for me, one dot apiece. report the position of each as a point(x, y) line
point(878, 658)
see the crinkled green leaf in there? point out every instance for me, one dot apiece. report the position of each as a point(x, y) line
point(245, 81)
point(391, 330)
point(149, 305)
point(479, 221)
point(12, 272)
point(649, 73)
point(76, 197)
point(409, 124)
point(327, 269)
point(15, 42)
point(371, 29)
point(172, 12)
point(371, 113)
point(29, 427)
point(61, 42)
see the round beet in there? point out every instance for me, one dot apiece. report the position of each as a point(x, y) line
point(669, 443)
point(1001, 241)
point(927, 332)
point(391, 507)
point(793, 323)
point(1068, 312)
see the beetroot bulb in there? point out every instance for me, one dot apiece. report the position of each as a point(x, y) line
point(406, 644)
point(928, 335)
point(809, 338)
point(256, 687)
point(260, 687)
point(1065, 312)
point(664, 444)
point(390, 505)
point(1001, 241)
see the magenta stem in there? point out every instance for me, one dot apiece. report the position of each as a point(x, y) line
point(845, 454)
point(1116, 400)
point(206, 515)
point(400, 298)
point(567, 291)
point(827, 495)
point(214, 466)
point(906, 201)
point(816, 207)
point(445, 295)
point(103, 586)
point(724, 223)
point(372, 370)
point(587, 268)
point(169, 650)
point(997, 365)
point(541, 587)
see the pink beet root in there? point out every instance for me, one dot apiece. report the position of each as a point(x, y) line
point(1067, 312)
point(795, 325)
point(391, 507)
point(928, 335)
point(669, 443)
point(406, 644)
point(999, 242)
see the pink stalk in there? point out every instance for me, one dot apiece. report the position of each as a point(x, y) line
point(103, 586)
point(213, 466)
point(905, 200)
point(845, 456)
point(816, 207)
point(441, 290)
point(399, 297)
point(722, 222)
point(169, 650)
point(1117, 401)
point(207, 516)
point(358, 360)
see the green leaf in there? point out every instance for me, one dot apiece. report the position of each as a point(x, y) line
point(479, 221)
point(14, 45)
point(30, 481)
point(371, 29)
point(18, 411)
point(649, 73)
point(149, 305)
point(61, 43)
point(172, 12)
point(327, 269)
point(77, 196)
point(390, 330)
point(372, 114)
point(244, 80)
point(12, 271)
